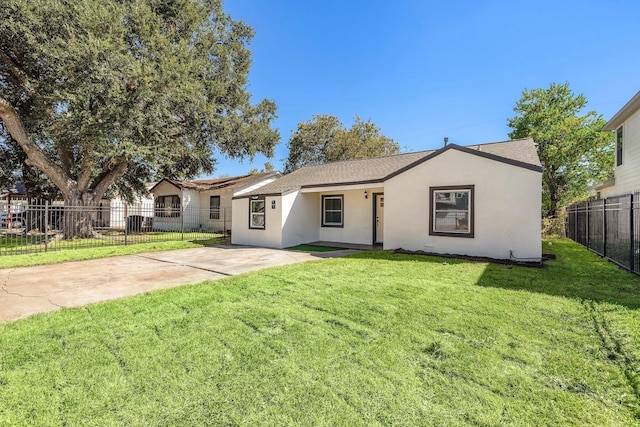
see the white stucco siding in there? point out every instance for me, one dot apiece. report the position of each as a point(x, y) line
point(358, 217)
point(143, 206)
point(166, 189)
point(270, 236)
point(225, 218)
point(301, 218)
point(191, 209)
point(628, 173)
point(116, 217)
point(506, 208)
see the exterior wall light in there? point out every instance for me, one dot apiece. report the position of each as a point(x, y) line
point(366, 194)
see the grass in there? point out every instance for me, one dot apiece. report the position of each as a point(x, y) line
point(18, 243)
point(40, 258)
point(370, 339)
point(85, 253)
point(313, 248)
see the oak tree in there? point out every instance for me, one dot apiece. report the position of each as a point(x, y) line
point(324, 139)
point(109, 94)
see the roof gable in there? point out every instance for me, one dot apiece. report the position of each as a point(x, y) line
point(520, 153)
point(524, 159)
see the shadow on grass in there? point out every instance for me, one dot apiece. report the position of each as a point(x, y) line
point(220, 240)
point(576, 273)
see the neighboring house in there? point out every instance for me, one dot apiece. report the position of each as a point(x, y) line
point(13, 203)
point(15, 195)
point(141, 206)
point(626, 125)
point(481, 200)
point(201, 204)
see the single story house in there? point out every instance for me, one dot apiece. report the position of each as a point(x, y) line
point(480, 200)
point(201, 204)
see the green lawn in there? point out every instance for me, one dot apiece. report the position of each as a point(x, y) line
point(370, 339)
point(21, 244)
point(83, 252)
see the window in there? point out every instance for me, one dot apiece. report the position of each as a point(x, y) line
point(332, 211)
point(451, 212)
point(256, 213)
point(168, 206)
point(214, 207)
point(619, 146)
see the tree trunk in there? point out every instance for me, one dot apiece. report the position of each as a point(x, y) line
point(79, 217)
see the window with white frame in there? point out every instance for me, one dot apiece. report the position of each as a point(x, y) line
point(214, 207)
point(256, 213)
point(451, 211)
point(332, 211)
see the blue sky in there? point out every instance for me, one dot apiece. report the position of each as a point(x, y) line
point(423, 70)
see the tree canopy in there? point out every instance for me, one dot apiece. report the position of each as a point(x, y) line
point(324, 139)
point(573, 151)
point(104, 94)
point(268, 167)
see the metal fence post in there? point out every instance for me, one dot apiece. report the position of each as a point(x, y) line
point(46, 225)
point(125, 223)
point(604, 227)
point(182, 208)
point(575, 223)
point(586, 231)
point(631, 252)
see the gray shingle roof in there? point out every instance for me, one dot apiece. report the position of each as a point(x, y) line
point(219, 183)
point(519, 152)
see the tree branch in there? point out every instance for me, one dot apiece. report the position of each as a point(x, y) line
point(85, 175)
point(16, 75)
point(35, 156)
point(66, 156)
point(104, 181)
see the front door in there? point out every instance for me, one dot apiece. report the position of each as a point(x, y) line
point(378, 215)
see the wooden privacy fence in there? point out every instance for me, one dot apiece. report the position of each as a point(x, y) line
point(609, 227)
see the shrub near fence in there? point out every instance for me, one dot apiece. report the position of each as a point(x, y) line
point(42, 227)
point(610, 227)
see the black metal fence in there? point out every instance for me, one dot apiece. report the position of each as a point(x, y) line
point(42, 227)
point(610, 227)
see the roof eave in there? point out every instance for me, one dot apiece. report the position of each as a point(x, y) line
point(269, 194)
point(624, 113)
point(163, 180)
point(602, 185)
point(343, 184)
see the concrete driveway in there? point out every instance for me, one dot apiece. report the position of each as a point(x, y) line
point(29, 290)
